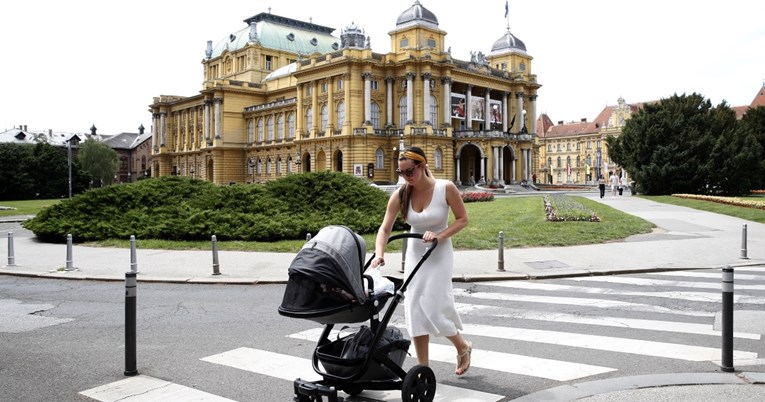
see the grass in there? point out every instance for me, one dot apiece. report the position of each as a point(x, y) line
point(750, 214)
point(520, 218)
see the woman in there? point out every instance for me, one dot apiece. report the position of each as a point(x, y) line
point(424, 202)
point(601, 186)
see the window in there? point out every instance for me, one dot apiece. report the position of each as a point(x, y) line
point(568, 146)
point(323, 87)
point(549, 164)
point(279, 166)
point(324, 117)
point(269, 63)
point(258, 167)
point(549, 147)
point(568, 161)
point(308, 90)
point(431, 43)
point(268, 166)
point(438, 158)
point(309, 118)
point(559, 149)
point(404, 43)
point(379, 159)
point(339, 85)
point(433, 109)
point(260, 130)
point(289, 165)
point(270, 124)
point(559, 162)
point(241, 63)
point(340, 115)
point(578, 161)
point(291, 126)
point(402, 111)
point(280, 127)
point(374, 85)
point(375, 115)
point(589, 145)
point(578, 146)
point(250, 132)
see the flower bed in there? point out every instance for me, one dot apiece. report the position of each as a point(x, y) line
point(477, 196)
point(559, 208)
point(739, 202)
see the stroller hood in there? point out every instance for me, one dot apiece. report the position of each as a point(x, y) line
point(335, 257)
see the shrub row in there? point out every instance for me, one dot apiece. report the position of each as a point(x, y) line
point(739, 202)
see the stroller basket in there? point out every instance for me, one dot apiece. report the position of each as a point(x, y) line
point(346, 356)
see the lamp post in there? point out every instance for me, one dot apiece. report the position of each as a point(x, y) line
point(192, 172)
point(251, 165)
point(69, 161)
point(297, 162)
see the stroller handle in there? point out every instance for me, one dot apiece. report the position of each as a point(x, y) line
point(424, 257)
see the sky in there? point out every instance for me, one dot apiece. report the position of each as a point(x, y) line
point(69, 65)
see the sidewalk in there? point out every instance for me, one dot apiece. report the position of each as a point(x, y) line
point(684, 239)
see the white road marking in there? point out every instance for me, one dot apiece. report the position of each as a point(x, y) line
point(625, 280)
point(143, 388)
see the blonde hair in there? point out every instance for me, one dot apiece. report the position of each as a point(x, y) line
point(417, 155)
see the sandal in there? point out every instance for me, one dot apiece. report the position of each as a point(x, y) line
point(460, 370)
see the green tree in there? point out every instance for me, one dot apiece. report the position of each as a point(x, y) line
point(16, 182)
point(98, 160)
point(684, 145)
point(753, 123)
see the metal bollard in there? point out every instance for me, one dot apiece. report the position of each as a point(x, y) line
point(69, 262)
point(743, 243)
point(727, 319)
point(404, 245)
point(131, 292)
point(501, 252)
point(133, 259)
point(307, 237)
point(216, 266)
point(11, 258)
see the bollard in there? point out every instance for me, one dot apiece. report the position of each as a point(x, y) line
point(403, 253)
point(130, 323)
point(307, 237)
point(727, 319)
point(133, 259)
point(11, 258)
point(69, 262)
point(501, 252)
point(216, 266)
point(743, 243)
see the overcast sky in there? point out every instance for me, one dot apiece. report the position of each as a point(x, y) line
point(71, 64)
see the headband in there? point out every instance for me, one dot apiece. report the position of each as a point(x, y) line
point(414, 156)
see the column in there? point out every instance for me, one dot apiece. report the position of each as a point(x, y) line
point(495, 162)
point(447, 83)
point(457, 170)
point(426, 99)
point(389, 82)
point(367, 97)
point(330, 106)
point(533, 112)
point(299, 115)
point(504, 111)
point(483, 168)
point(155, 131)
point(409, 98)
point(316, 118)
point(469, 108)
point(218, 117)
point(486, 110)
point(501, 164)
point(519, 112)
point(163, 128)
point(207, 119)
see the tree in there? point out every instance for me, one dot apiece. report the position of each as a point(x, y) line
point(16, 182)
point(753, 123)
point(684, 145)
point(98, 160)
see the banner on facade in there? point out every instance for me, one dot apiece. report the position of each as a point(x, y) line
point(495, 107)
point(458, 106)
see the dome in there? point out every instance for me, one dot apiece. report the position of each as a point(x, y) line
point(508, 43)
point(417, 15)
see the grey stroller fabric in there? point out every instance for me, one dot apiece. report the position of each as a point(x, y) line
point(335, 256)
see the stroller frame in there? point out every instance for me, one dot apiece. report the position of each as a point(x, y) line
point(418, 384)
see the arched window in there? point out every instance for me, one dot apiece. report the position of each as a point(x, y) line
point(578, 161)
point(260, 130)
point(279, 166)
point(250, 131)
point(438, 158)
point(568, 161)
point(280, 127)
point(324, 117)
point(340, 114)
point(268, 166)
point(549, 164)
point(309, 118)
point(375, 115)
point(559, 162)
point(379, 159)
point(402, 112)
point(270, 124)
point(291, 126)
point(289, 165)
point(259, 167)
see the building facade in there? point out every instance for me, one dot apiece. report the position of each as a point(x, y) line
point(282, 96)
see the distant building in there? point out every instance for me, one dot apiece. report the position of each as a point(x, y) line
point(576, 152)
point(281, 96)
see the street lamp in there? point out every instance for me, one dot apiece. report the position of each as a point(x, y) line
point(69, 157)
point(251, 165)
point(192, 172)
point(297, 162)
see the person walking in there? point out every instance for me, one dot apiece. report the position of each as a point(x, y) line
point(424, 202)
point(614, 184)
point(601, 186)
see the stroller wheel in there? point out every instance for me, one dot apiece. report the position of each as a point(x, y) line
point(352, 390)
point(419, 385)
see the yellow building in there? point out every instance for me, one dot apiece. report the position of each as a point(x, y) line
point(281, 96)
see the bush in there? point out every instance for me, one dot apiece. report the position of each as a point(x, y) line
point(477, 196)
point(559, 207)
point(178, 208)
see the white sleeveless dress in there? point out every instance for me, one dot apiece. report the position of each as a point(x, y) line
point(429, 301)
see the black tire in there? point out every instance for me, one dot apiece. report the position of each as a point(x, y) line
point(419, 385)
point(353, 390)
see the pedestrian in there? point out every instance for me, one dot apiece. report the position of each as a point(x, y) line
point(614, 183)
point(601, 186)
point(623, 185)
point(424, 202)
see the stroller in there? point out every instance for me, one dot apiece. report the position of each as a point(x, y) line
point(327, 284)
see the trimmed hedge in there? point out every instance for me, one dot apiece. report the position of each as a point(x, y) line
point(179, 208)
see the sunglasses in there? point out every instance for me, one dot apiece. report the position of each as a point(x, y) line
point(408, 172)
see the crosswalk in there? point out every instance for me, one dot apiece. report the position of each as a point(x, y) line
point(671, 316)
